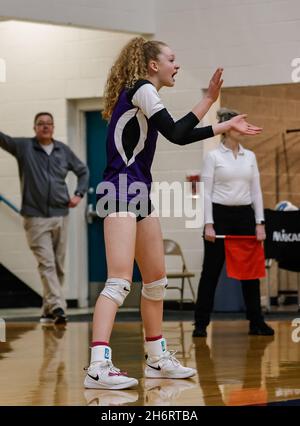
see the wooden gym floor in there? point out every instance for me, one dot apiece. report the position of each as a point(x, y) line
point(43, 365)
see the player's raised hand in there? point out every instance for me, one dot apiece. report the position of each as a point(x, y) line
point(215, 84)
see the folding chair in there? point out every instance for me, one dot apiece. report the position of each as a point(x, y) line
point(171, 248)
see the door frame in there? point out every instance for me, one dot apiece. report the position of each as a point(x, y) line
point(78, 231)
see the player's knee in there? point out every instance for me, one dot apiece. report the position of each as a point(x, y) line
point(116, 289)
point(155, 290)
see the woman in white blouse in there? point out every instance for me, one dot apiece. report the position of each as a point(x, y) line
point(233, 206)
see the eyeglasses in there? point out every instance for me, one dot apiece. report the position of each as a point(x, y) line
point(41, 123)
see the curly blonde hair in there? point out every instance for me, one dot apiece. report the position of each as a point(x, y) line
point(130, 66)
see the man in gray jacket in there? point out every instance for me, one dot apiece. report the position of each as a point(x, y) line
point(43, 166)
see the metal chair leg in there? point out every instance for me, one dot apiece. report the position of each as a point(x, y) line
point(192, 290)
point(181, 293)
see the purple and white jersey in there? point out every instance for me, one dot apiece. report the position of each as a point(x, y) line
point(131, 140)
point(132, 134)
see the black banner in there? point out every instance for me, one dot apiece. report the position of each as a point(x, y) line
point(283, 238)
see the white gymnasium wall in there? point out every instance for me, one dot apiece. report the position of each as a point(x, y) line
point(117, 15)
point(254, 40)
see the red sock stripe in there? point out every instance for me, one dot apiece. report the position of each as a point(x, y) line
point(99, 344)
point(152, 339)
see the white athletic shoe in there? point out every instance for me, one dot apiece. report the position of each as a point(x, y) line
point(167, 367)
point(103, 375)
point(166, 391)
point(109, 397)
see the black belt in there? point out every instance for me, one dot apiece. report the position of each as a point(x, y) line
point(233, 207)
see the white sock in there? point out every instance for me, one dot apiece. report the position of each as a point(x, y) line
point(156, 348)
point(100, 353)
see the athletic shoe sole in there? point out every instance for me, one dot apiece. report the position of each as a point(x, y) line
point(91, 384)
point(46, 321)
point(154, 374)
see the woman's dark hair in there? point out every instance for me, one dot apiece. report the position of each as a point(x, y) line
point(225, 114)
point(42, 113)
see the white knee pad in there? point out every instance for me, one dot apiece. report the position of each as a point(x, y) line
point(116, 289)
point(155, 290)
